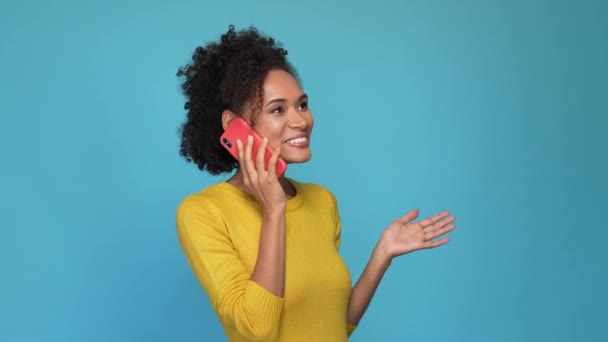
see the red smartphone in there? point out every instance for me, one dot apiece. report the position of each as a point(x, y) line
point(240, 129)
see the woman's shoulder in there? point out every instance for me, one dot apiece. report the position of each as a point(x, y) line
point(206, 194)
point(211, 198)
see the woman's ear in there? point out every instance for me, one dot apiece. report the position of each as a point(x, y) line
point(227, 116)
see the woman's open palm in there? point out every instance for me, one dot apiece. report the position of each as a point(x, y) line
point(405, 236)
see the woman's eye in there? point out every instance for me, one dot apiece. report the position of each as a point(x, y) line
point(277, 110)
point(304, 106)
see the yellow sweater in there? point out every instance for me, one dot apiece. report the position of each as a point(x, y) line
point(219, 231)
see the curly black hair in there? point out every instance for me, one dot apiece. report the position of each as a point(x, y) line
point(224, 75)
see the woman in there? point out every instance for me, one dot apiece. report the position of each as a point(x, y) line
point(264, 248)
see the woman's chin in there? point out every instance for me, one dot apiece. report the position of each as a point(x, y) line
point(303, 158)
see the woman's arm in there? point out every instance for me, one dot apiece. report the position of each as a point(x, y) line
point(269, 270)
point(252, 303)
point(399, 238)
point(366, 286)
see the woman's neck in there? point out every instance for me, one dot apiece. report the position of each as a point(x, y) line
point(237, 181)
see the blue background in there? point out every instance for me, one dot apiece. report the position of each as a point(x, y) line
point(496, 110)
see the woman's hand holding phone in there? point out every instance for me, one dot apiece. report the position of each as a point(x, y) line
point(238, 128)
point(263, 183)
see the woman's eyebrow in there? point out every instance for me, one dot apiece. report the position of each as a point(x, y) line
point(282, 100)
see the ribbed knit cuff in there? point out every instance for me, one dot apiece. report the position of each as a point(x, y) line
point(263, 304)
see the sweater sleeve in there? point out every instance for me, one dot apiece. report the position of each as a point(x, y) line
point(338, 228)
point(239, 302)
point(336, 220)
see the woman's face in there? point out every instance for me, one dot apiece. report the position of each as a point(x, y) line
point(285, 118)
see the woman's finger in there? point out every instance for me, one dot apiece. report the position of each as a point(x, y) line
point(409, 216)
point(240, 149)
point(259, 159)
point(251, 173)
point(436, 243)
point(436, 233)
point(272, 165)
point(440, 224)
point(431, 220)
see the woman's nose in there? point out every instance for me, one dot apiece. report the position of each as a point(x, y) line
point(297, 120)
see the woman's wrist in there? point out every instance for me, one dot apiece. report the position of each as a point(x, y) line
point(275, 211)
point(380, 256)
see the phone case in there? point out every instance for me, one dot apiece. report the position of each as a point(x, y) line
point(240, 129)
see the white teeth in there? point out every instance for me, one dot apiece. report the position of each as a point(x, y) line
point(297, 140)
